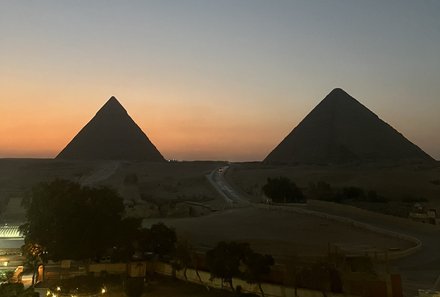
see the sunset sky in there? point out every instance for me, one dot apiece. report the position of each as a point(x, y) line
point(224, 80)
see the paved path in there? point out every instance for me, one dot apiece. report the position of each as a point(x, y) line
point(103, 172)
point(419, 271)
point(231, 197)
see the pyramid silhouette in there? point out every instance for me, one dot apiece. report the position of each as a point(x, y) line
point(342, 130)
point(111, 135)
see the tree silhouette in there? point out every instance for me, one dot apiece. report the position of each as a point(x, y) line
point(257, 265)
point(34, 254)
point(183, 256)
point(75, 222)
point(224, 260)
point(282, 190)
point(233, 259)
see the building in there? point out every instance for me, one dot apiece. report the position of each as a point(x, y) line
point(421, 214)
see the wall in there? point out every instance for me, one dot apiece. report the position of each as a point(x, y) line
point(204, 278)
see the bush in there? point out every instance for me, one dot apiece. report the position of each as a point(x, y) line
point(321, 191)
point(283, 190)
point(6, 276)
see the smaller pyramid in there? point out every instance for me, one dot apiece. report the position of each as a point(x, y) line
point(111, 135)
point(342, 130)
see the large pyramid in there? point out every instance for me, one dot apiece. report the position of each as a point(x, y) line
point(111, 135)
point(342, 130)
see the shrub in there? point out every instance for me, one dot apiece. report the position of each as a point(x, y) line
point(321, 191)
point(283, 190)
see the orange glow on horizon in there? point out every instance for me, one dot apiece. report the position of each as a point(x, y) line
point(34, 124)
point(39, 121)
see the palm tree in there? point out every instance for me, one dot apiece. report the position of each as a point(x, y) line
point(34, 257)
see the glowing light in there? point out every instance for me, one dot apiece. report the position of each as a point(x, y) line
point(103, 291)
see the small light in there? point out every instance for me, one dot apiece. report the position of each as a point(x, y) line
point(58, 289)
point(103, 291)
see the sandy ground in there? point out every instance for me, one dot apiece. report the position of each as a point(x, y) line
point(164, 179)
point(157, 186)
point(277, 233)
point(395, 183)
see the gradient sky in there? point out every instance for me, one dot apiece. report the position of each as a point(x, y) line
point(213, 79)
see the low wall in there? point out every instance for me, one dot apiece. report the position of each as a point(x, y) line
point(112, 268)
point(391, 254)
point(271, 290)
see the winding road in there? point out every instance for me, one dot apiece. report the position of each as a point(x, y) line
point(101, 173)
point(420, 270)
point(231, 197)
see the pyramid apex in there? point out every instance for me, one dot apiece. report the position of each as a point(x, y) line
point(338, 92)
point(112, 105)
point(113, 99)
point(338, 97)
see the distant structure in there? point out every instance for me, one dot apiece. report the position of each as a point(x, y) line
point(11, 240)
point(420, 213)
point(342, 130)
point(111, 135)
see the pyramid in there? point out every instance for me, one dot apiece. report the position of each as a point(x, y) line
point(342, 130)
point(111, 135)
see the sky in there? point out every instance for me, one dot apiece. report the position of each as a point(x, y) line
point(213, 80)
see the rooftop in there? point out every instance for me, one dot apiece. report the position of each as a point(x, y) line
point(10, 231)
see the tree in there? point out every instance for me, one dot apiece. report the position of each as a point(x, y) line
point(163, 240)
point(233, 259)
point(34, 254)
point(6, 276)
point(224, 260)
point(183, 256)
point(127, 234)
point(74, 222)
point(257, 265)
point(321, 191)
point(283, 190)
